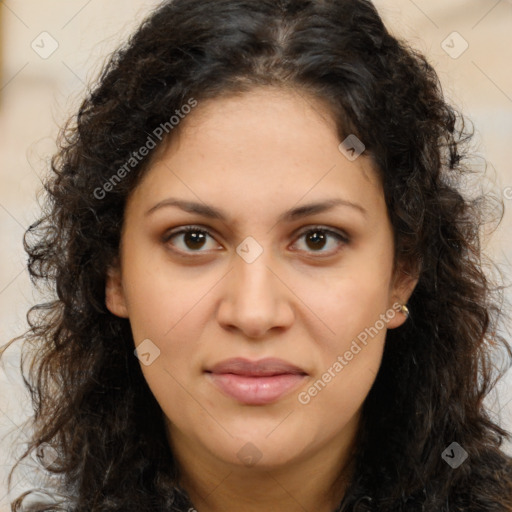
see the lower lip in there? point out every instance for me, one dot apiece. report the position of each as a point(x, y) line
point(255, 390)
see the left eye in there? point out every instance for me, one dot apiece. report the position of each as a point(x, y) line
point(317, 239)
point(194, 238)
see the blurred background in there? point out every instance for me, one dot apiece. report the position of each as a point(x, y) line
point(48, 52)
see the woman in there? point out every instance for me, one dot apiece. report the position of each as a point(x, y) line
point(245, 210)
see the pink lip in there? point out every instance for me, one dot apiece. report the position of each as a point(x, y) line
point(255, 382)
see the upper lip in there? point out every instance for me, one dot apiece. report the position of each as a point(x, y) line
point(262, 368)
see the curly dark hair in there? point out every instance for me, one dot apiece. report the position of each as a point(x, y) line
point(91, 401)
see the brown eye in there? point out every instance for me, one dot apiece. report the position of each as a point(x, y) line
point(190, 239)
point(318, 238)
point(194, 239)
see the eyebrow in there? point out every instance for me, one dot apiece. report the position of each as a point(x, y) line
point(290, 215)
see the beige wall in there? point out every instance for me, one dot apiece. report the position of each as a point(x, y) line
point(38, 91)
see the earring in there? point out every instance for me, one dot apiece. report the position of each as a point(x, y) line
point(405, 310)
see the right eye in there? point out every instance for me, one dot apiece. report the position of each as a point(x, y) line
point(191, 239)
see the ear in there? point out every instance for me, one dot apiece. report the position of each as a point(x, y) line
point(114, 294)
point(404, 282)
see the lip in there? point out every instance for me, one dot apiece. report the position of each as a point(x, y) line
point(255, 382)
point(262, 368)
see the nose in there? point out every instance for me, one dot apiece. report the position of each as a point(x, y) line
point(256, 298)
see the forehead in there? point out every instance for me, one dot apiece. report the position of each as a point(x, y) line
point(266, 146)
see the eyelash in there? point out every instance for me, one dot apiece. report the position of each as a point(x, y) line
point(342, 238)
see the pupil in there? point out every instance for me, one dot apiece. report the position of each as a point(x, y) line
point(318, 239)
point(196, 238)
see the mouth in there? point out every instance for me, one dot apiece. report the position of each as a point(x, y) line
point(255, 382)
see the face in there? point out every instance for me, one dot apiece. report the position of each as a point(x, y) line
point(262, 274)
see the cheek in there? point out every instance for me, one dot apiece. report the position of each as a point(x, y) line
point(173, 326)
point(166, 307)
point(357, 302)
point(354, 353)
point(355, 312)
point(349, 367)
point(360, 306)
point(161, 298)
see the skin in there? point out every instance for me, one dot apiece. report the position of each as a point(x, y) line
point(255, 156)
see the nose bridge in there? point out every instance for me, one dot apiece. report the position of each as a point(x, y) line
point(255, 300)
point(253, 279)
